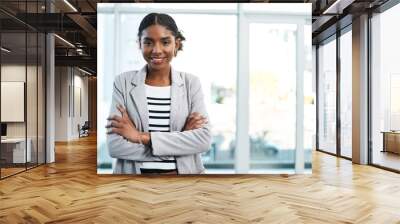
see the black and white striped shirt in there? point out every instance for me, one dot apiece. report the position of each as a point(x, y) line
point(159, 107)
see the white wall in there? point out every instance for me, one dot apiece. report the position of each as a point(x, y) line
point(61, 103)
point(80, 84)
point(12, 73)
point(70, 83)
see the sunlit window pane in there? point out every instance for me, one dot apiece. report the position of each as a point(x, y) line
point(272, 101)
point(385, 87)
point(346, 94)
point(327, 96)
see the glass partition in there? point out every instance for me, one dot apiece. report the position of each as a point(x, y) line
point(346, 94)
point(22, 91)
point(327, 97)
point(14, 154)
point(385, 85)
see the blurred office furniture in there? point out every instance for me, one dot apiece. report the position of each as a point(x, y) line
point(391, 141)
point(84, 130)
point(13, 151)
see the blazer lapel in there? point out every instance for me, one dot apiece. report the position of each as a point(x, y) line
point(176, 98)
point(138, 94)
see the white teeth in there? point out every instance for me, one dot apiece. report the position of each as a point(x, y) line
point(157, 59)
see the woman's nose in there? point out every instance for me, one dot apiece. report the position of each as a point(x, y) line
point(157, 48)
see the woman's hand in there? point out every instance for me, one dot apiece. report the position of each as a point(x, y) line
point(194, 121)
point(123, 126)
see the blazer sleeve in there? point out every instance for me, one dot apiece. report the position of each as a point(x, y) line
point(180, 143)
point(119, 147)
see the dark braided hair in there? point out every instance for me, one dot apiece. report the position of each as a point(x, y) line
point(164, 20)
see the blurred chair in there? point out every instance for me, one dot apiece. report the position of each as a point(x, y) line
point(84, 130)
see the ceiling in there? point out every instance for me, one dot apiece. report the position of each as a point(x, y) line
point(78, 27)
point(328, 16)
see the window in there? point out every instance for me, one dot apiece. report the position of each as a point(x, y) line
point(385, 85)
point(346, 94)
point(327, 97)
point(272, 95)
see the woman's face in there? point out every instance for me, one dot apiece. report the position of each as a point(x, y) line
point(158, 46)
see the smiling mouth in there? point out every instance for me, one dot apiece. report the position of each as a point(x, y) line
point(157, 60)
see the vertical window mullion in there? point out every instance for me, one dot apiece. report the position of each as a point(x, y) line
point(317, 96)
point(338, 98)
point(242, 149)
point(299, 146)
point(26, 87)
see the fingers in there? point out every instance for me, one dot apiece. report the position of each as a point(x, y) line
point(125, 115)
point(201, 121)
point(122, 110)
point(114, 124)
point(114, 131)
point(194, 114)
point(196, 120)
point(114, 117)
point(199, 124)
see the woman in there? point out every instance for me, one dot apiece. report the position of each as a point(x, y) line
point(158, 120)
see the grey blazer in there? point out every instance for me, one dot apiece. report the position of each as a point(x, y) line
point(186, 146)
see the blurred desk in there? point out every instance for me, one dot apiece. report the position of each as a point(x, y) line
point(13, 150)
point(391, 141)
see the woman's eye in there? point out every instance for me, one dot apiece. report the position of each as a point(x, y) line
point(147, 43)
point(166, 42)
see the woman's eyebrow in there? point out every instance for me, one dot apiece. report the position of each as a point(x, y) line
point(151, 39)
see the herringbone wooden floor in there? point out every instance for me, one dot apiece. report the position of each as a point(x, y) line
point(70, 191)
